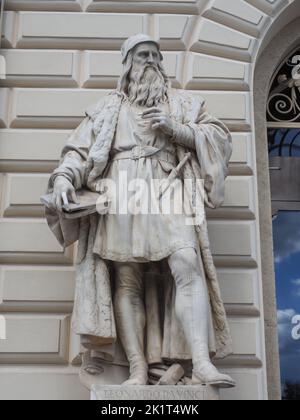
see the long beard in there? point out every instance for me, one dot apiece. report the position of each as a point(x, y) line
point(147, 87)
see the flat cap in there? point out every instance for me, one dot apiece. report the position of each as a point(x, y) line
point(135, 40)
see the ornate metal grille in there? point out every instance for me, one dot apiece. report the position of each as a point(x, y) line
point(283, 116)
point(284, 98)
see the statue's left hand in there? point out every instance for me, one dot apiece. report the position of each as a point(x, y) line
point(159, 120)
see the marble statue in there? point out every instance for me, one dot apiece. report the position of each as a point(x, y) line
point(146, 285)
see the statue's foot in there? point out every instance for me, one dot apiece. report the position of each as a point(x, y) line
point(205, 373)
point(139, 376)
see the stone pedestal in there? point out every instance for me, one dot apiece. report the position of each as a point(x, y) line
point(151, 392)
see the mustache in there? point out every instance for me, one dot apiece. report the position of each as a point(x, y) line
point(139, 73)
point(151, 67)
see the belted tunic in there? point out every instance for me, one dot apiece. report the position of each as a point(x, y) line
point(137, 230)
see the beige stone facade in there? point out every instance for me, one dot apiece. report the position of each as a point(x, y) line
point(60, 57)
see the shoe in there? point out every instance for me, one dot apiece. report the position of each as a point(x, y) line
point(138, 376)
point(205, 373)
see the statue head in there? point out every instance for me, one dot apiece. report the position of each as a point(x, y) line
point(143, 80)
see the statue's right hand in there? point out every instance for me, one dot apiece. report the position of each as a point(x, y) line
point(63, 193)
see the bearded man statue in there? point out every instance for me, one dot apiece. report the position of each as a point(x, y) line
point(146, 283)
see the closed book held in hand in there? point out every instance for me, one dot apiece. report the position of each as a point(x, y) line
point(89, 202)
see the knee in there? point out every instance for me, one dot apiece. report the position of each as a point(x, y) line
point(185, 268)
point(184, 261)
point(128, 278)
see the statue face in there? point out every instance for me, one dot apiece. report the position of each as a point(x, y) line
point(146, 54)
point(147, 81)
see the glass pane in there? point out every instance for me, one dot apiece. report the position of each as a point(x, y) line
point(287, 264)
point(284, 142)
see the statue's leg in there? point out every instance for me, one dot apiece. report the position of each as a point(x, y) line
point(192, 310)
point(131, 319)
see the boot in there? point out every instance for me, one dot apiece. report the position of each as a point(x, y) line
point(205, 373)
point(138, 372)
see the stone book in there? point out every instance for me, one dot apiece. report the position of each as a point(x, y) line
point(89, 202)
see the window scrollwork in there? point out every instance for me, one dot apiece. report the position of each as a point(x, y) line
point(284, 98)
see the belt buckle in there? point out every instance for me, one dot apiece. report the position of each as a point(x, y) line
point(136, 152)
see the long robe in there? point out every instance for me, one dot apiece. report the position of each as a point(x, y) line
point(138, 228)
point(84, 161)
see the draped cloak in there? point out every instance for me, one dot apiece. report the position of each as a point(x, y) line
point(83, 161)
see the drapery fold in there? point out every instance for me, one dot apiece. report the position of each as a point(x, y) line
point(83, 161)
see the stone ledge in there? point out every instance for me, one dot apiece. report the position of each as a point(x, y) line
point(155, 393)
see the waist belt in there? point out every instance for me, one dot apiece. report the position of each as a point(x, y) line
point(139, 152)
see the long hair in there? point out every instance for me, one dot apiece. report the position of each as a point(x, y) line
point(124, 80)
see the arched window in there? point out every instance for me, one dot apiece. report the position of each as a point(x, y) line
point(284, 109)
point(283, 117)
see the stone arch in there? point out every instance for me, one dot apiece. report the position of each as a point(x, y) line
point(237, 33)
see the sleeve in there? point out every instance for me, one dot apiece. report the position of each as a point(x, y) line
point(72, 167)
point(213, 149)
point(183, 135)
point(74, 155)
